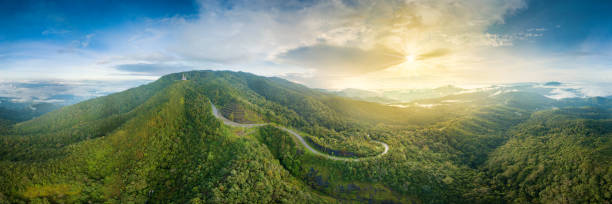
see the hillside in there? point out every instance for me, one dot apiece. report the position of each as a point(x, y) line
point(161, 143)
point(399, 95)
point(12, 111)
point(141, 154)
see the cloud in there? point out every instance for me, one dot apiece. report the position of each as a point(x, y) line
point(85, 42)
point(336, 43)
point(434, 54)
point(337, 37)
point(65, 92)
point(152, 69)
point(339, 61)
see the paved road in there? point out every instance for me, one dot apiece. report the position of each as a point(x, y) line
point(226, 121)
point(232, 123)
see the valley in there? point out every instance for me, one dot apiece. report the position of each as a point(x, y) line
point(223, 136)
point(306, 101)
point(296, 135)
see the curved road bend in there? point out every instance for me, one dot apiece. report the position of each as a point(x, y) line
point(226, 121)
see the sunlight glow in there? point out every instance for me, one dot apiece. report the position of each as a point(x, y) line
point(410, 58)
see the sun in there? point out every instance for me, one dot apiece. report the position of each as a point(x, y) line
point(409, 58)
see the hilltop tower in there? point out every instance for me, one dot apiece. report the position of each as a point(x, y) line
point(184, 78)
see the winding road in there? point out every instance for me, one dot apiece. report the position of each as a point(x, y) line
point(226, 121)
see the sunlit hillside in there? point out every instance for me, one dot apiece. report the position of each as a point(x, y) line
point(306, 101)
point(161, 142)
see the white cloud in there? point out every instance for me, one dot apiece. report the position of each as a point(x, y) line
point(447, 40)
point(61, 91)
point(254, 33)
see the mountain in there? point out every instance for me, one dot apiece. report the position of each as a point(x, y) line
point(161, 143)
point(403, 97)
point(364, 95)
point(13, 111)
point(399, 95)
point(556, 156)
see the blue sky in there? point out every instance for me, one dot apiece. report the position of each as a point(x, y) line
point(324, 44)
point(68, 20)
point(567, 23)
point(575, 35)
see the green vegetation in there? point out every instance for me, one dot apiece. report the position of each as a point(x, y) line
point(160, 143)
point(171, 149)
point(558, 156)
point(21, 111)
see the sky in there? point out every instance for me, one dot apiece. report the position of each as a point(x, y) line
point(330, 44)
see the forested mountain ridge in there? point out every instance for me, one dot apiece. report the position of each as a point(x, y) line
point(160, 143)
point(171, 149)
point(14, 111)
point(558, 156)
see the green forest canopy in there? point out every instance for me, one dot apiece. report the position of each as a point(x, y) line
point(160, 143)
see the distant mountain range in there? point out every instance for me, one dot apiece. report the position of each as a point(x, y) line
point(554, 90)
point(161, 143)
point(398, 95)
point(12, 110)
point(62, 92)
